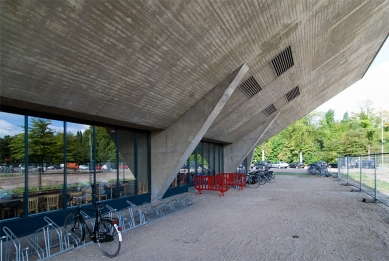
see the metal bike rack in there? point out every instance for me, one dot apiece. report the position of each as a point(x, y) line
point(51, 240)
point(12, 249)
point(133, 216)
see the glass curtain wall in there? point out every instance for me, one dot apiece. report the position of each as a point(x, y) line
point(65, 160)
point(127, 173)
point(12, 165)
point(78, 165)
point(106, 163)
point(142, 157)
point(45, 153)
point(206, 159)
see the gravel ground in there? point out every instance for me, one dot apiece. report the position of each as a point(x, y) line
point(295, 218)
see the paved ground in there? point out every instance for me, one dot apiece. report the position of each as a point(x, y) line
point(296, 218)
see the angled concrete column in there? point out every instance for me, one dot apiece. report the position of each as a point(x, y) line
point(250, 158)
point(235, 153)
point(172, 147)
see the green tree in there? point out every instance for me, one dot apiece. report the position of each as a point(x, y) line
point(5, 151)
point(17, 147)
point(41, 142)
point(106, 148)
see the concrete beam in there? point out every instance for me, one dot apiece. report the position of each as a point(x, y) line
point(239, 150)
point(170, 148)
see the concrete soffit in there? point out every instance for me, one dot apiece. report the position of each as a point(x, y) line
point(170, 148)
point(235, 153)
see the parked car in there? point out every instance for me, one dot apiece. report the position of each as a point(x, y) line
point(264, 163)
point(297, 165)
point(83, 167)
point(333, 165)
point(366, 164)
point(72, 165)
point(280, 164)
point(351, 164)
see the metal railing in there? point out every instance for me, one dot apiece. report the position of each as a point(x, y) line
point(369, 173)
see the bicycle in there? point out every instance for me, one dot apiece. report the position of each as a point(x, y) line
point(266, 175)
point(105, 233)
point(315, 168)
point(253, 179)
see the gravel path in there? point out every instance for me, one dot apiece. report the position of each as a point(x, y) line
point(295, 218)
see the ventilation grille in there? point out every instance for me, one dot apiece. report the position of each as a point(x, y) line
point(292, 94)
point(283, 61)
point(250, 87)
point(269, 110)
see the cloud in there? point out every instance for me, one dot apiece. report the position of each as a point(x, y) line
point(7, 128)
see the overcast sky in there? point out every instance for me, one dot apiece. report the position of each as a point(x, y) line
point(374, 86)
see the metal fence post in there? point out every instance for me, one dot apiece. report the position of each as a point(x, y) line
point(375, 176)
point(347, 159)
point(339, 166)
point(360, 172)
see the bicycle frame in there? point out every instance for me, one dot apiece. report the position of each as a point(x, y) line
point(98, 219)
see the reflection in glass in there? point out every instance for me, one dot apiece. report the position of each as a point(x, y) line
point(127, 162)
point(45, 153)
point(106, 175)
point(143, 165)
point(12, 166)
point(79, 162)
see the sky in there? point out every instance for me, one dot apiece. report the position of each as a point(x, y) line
point(374, 86)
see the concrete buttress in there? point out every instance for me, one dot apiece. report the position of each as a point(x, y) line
point(239, 150)
point(171, 147)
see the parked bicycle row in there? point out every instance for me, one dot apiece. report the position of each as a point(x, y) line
point(319, 169)
point(260, 176)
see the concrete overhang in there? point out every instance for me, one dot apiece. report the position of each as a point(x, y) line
point(143, 64)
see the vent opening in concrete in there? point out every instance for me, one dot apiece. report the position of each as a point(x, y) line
point(283, 61)
point(250, 87)
point(269, 110)
point(292, 94)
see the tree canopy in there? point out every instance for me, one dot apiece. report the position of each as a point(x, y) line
point(319, 137)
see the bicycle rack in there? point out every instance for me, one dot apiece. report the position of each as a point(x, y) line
point(88, 219)
point(51, 240)
point(46, 238)
point(167, 206)
point(12, 247)
point(131, 216)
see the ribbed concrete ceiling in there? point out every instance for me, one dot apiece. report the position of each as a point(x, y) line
point(145, 63)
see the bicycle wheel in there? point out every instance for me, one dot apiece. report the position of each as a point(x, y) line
point(255, 179)
point(262, 179)
point(109, 243)
point(75, 228)
point(271, 177)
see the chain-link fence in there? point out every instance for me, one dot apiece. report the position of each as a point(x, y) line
point(369, 173)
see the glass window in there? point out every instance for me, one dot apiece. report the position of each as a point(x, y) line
point(106, 176)
point(143, 161)
point(218, 158)
point(45, 153)
point(127, 163)
point(12, 165)
point(79, 161)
